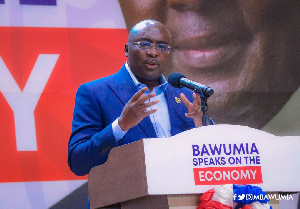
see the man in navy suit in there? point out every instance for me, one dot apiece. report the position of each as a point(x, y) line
point(132, 104)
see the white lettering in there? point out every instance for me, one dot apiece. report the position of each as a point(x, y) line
point(23, 103)
point(220, 175)
point(245, 175)
point(237, 175)
point(226, 175)
point(201, 176)
point(249, 197)
point(271, 196)
point(283, 197)
point(253, 173)
point(208, 179)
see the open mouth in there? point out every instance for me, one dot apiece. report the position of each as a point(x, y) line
point(151, 64)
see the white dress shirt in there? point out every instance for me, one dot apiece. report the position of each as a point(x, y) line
point(160, 119)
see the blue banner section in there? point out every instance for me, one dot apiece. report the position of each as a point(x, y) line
point(1, 1)
point(37, 2)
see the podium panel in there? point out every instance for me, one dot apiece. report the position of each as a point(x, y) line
point(153, 171)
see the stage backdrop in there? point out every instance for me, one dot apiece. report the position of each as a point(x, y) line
point(47, 49)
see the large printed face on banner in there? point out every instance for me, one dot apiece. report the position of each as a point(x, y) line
point(247, 51)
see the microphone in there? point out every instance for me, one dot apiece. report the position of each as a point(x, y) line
point(179, 80)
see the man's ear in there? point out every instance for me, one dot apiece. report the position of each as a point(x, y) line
point(126, 50)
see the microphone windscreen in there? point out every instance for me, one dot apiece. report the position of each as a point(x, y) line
point(174, 79)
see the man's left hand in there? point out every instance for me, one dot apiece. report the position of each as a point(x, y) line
point(194, 109)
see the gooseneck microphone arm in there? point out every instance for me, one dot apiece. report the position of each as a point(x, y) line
point(206, 120)
point(179, 80)
point(196, 87)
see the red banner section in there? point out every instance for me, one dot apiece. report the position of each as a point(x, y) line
point(228, 175)
point(35, 148)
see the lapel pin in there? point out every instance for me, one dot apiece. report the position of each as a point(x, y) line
point(177, 100)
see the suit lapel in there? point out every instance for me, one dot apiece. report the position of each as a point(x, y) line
point(179, 122)
point(124, 88)
point(147, 126)
point(171, 93)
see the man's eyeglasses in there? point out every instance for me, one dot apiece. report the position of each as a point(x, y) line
point(146, 45)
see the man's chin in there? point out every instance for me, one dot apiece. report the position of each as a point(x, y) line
point(253, 109)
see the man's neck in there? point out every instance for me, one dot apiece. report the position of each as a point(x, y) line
point(149, 83)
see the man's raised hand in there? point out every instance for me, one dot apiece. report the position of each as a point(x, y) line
point(136, 109)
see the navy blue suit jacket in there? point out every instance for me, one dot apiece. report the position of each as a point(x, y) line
point(100, 102)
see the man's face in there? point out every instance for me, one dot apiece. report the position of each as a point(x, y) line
point(247, 51)
point(148, 64)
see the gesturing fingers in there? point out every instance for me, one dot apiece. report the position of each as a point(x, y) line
point(139, 98)
point(185, 100)
point(145, 98)
point(192, 107)
point(145, 106)
point(149, 112)
point(136, 109)
point(141, 105)
point(196, 102)
point(138, 94)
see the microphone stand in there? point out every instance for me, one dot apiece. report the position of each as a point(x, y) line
point(206, 120)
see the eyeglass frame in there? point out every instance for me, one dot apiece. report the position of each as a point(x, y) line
point(151, 44)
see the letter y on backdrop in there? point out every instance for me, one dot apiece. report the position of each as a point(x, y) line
point(23, 103)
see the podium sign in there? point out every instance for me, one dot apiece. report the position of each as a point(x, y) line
point(195, 161)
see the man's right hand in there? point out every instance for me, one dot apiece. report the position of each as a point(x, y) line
point(136, 109)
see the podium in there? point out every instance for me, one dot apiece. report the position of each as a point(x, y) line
point(174, 172)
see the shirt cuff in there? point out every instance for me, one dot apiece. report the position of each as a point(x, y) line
point(117, 131)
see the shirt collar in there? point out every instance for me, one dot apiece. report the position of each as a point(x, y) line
point(161, 87)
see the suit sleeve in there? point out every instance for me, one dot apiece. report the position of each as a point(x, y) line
point(90, 142)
